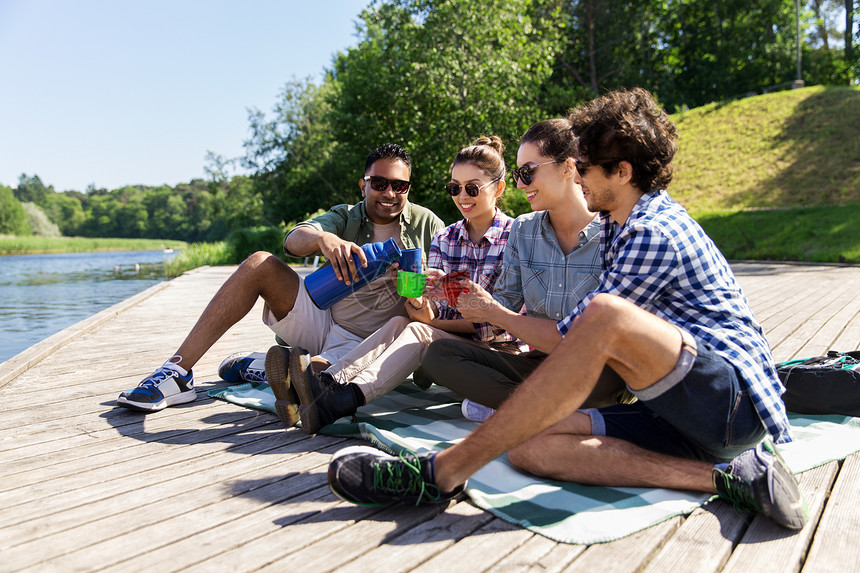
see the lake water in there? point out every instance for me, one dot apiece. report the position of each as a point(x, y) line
point(43, 294)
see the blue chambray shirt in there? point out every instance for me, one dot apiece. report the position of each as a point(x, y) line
point(538, 275)
point(662, 261)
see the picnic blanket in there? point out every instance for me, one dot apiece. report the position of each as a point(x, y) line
point(563, 511)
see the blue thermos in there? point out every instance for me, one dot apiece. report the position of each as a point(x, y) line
point(324, 288)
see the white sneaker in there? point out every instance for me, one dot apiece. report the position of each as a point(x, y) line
point(475, 412)
point(244, 367)
point(164, 387)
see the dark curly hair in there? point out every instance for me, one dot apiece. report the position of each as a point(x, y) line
point(627, 125)
point(388, 151)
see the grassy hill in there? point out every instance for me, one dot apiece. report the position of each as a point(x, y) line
point(775, 176)
point(786, 149)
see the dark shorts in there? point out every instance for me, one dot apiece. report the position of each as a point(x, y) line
point(706, 415)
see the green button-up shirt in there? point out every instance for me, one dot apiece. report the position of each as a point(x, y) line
point(351, 223)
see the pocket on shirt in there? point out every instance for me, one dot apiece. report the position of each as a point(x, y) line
point(534, 289)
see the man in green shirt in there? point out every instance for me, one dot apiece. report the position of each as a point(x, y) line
point(384, 213)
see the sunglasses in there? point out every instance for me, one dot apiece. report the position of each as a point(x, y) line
point(582, 166)
point(525, 172)
point(472, 189)
point(379, 183)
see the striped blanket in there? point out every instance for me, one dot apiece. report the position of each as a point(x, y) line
point(563, 511)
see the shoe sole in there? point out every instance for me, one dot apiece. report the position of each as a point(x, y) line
point(783, 483)
point(300, 363)
point(181, 398)
point(278, 376)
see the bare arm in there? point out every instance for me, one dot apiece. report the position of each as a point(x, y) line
point(305, 240)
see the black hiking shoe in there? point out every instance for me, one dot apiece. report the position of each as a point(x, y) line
point(278, 376)
point(759, 481)
point(365, 476)
point(322, 400)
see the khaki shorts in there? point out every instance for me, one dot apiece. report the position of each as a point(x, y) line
point(312, 328)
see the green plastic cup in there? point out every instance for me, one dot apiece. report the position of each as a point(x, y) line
point(410, 284)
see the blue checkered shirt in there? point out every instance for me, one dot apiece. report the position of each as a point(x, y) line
point(451, 250)
point(662, 261)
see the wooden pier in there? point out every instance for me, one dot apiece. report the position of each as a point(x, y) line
point(211, 486)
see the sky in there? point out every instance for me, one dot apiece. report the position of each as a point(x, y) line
point(127, 92)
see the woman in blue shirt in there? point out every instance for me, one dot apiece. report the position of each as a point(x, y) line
point(551, 261)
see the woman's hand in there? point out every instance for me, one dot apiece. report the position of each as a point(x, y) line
point(433, 288)
point(475, 303)
point(420, 309)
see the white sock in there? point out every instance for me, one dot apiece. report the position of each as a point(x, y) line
point(174, 366)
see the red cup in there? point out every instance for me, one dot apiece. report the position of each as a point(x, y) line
point(452, 287)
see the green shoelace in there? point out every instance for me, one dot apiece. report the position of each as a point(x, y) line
point(402, 477)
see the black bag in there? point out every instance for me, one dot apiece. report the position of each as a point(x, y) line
point(822, 385)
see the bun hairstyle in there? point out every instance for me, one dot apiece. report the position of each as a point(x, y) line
point(486, 154)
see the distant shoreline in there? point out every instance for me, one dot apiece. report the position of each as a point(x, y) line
point(12, 245)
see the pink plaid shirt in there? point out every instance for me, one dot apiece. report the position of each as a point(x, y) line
point(451, 250)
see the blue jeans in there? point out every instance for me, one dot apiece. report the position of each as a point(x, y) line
point(707, 414)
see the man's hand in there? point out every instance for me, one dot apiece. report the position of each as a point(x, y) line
point(475, 304)
point(340, 252)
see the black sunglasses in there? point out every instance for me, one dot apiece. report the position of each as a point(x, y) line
point(525, 172)
point(582, 166)
point(379, 183)
point(472, 189)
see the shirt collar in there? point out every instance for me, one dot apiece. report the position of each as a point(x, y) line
point(493, 234)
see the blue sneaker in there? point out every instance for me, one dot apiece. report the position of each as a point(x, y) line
point(759, 481)
point(244, 367)
point(164, 387)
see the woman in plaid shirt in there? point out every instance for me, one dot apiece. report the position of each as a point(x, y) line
point(474, 244)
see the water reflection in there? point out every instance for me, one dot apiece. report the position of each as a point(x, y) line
point(43, 294)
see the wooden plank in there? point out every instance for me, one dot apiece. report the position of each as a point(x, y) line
point(703, 543)
point(628, 553)
point(424, 541)
point(240, 491)
point(835, 546)
point(769, 547)
point(539, 554)
point(479, 551)
point(237, 491)
point(42, 516)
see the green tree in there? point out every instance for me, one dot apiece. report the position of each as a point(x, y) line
point(39, 222)
point(31, 189)
point(66, 210)
point(431, 75)
point(292, 155)
point(13, 218)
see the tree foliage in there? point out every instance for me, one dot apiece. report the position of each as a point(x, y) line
point(432, 75)
point(39, 222)
point(13, 218)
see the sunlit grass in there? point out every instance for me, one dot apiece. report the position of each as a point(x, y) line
point(823, 234)
point(12, 245)
point(788, 149)
point(201, 254)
